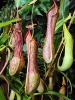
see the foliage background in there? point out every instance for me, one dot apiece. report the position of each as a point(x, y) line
point(37, 14)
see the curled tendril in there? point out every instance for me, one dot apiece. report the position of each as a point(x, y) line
point(6, 62)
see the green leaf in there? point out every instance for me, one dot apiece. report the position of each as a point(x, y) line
point(18, 96)
point(42, 7)
point(3, 38)
point(24, 97)
point(64, 8)
point(17, 3)
point(57, 37)
point(12, 85)
point(25, 9)
point(27, 1)
point(2, 47)
point(16, 79)
point(39, 50)
point(63, 11)
point(9, 22)
point(42, 1)
point(37, 12)
point(2, 97)
point(24, 48)
point(57, 94)
point(38, 7)
point(59, 24)
point(54, 93)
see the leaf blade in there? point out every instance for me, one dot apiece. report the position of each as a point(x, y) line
point(2, 97)
point(9, 22)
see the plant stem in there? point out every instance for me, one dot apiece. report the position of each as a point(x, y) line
point(32, 20)
point(71, 21)
point(56, 56)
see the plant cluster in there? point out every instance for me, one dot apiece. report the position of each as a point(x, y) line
point(36, 50)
